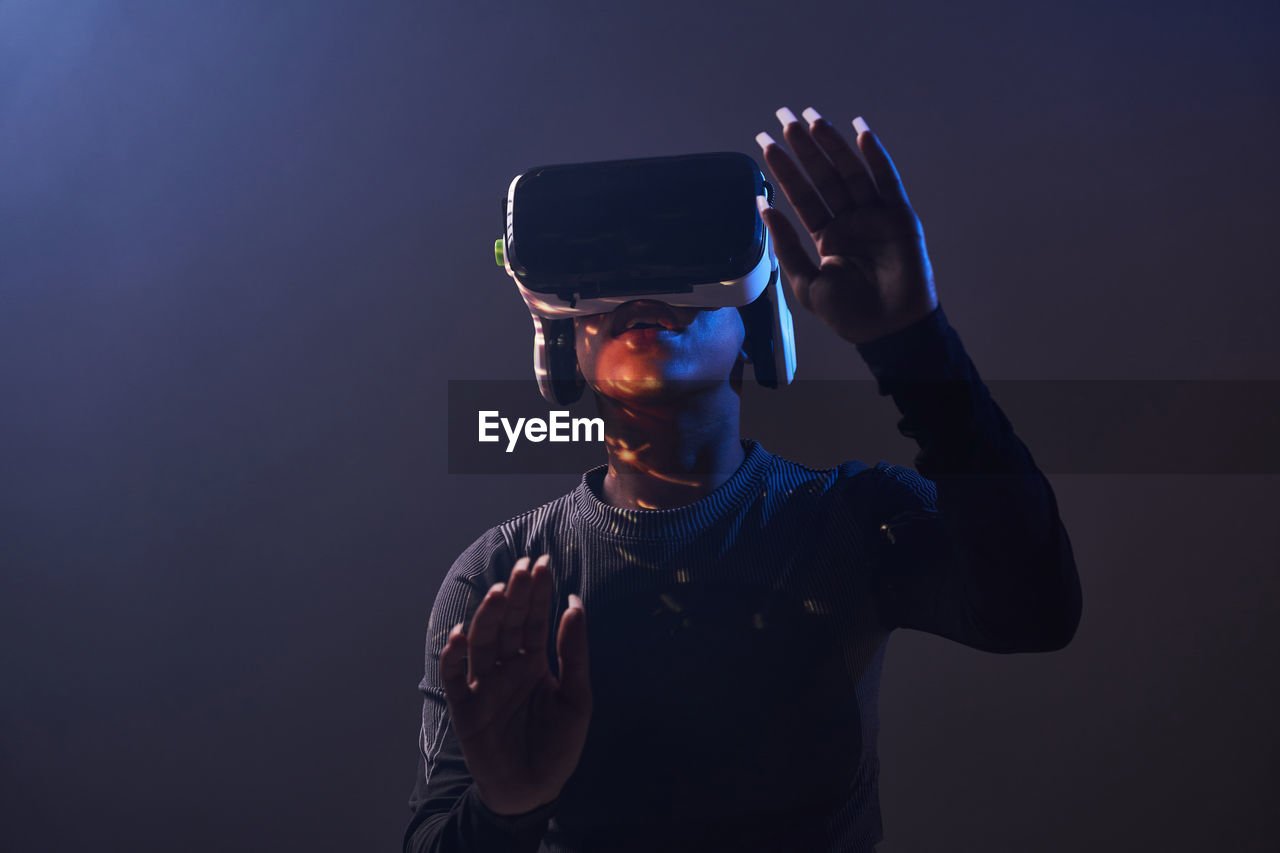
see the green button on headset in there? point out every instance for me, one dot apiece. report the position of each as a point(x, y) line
point(497, 252)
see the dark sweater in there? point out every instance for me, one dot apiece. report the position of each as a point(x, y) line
point(736, 643)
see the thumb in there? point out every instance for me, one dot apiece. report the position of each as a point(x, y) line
point(571, 646)
point(794, 260)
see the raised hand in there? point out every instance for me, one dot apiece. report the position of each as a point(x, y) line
point(521, 729)
point(874, 277)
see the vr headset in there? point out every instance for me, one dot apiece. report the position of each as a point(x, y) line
point(584, 238)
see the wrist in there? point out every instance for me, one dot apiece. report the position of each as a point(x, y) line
point(509, 809)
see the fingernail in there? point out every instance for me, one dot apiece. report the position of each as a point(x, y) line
point(762, 203)
point(764, 140)
point(811, 115)
point(457, 629)
point(497, 587)
point(860, 125)
point(785, 116)
point(574, 601)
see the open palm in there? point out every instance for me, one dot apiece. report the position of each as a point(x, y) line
point(874, 275)
point(521, 729)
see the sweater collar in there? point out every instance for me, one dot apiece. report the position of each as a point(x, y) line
point(682, 522)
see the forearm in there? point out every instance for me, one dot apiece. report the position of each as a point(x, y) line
point(1012, 559)
point(470, 827)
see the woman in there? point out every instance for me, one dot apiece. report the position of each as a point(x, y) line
point(723, 693)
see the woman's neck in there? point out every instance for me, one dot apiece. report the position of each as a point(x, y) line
point(671, 452)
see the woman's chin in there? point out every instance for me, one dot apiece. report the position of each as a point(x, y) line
point(653, 376)
point(640, 390)
point(635, 388)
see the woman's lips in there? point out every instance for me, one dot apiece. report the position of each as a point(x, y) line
point(642, 313)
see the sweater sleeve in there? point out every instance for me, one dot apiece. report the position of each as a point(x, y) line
point(448, 815)
point(969, 546)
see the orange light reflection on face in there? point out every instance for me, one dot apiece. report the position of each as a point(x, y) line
point(630, 386)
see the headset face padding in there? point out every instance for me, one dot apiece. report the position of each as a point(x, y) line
point(757, 319)
point(555, 361)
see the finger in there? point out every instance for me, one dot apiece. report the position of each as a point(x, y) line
point(511, 637)
point(482, 639)
point(882, 169)
point(828, 182)
point(792, 256)
point(575, 666)
point(453, 669)
point(539, 620)
point(808, 205)
point(846, 160)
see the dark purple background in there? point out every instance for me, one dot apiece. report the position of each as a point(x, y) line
point(243, 246)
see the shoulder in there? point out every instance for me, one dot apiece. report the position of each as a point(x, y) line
point(539, 517)
point(786, 475)
point(876, 492)
point(901, 488)
point(491, 555)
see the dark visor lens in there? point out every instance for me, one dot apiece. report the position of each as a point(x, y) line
point(693, 217)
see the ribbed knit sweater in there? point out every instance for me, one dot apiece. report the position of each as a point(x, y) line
point(736, 643)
